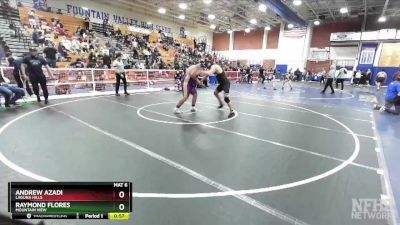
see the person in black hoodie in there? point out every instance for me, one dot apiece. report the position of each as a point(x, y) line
point(262, 76)
point(18, 76)
point(107, 61)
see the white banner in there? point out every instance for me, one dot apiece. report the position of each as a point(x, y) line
point(320, 54)
point(346, 36)
point(139, 30)
point(387, 34)
point(370, 35)
point(398, 35)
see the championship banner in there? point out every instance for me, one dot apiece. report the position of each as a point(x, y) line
point(369, 35)
point(398, 35)
point(139, 30)
point(387, 34)
point(346, 36)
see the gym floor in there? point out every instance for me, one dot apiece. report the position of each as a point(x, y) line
point(288, 157)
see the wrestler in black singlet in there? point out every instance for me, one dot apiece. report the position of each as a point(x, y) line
point(223, 83)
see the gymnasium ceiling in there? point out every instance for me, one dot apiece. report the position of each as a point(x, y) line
point(236, 14)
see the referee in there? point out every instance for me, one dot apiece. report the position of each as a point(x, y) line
point(32, 66)
point(330, 75)
point(119, 66)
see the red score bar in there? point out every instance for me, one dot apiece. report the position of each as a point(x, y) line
point(80, 195)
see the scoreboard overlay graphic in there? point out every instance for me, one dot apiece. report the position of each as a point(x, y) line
point(70, 200)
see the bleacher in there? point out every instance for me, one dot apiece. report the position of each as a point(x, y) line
point(71, 23)
point(18, 45)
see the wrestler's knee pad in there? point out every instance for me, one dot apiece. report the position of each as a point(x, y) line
point(226, 98)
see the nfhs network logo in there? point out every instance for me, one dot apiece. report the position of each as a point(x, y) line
point(370, 209)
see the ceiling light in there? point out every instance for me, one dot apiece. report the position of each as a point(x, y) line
point(211, 16)
point(262, 7)
point(296, 2)
point(290, 26)
point(207, 1)
point(162, 10)
point(268, 28)
point(229, 32)
point(148, 23)
point(212, 26)
point(247, 30)
point(183, 5)
point(382, 19)
point(344, 10)
point(253, 21)
point(317, 22)
point(182, 17)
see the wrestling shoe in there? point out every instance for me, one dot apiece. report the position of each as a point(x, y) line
point(232, 114)
point(177, 111)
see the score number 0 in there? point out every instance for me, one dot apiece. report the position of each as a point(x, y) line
point(121, 195)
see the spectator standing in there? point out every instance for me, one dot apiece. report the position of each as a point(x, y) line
point(35, 36)
point(18, 78)
point(105, 25)
point(357, 78)
point(368, 76)
point(88, 24)
point(323, 75)
point(32, 19)
point(297, 73)
point(51, 56)
point(249, 74)
point(107, 60)
point(261, 75)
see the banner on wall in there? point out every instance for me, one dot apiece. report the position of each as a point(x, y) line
point(139, 30)
point(320, 54)
point(370, 35)
point(346, 36)
point(398, 35)
point(387, 34)
point(115, 18)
